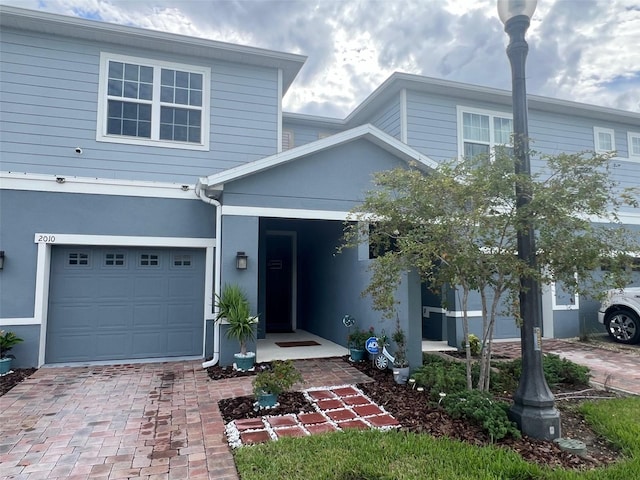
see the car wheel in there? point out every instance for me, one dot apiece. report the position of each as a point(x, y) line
point(623, 326)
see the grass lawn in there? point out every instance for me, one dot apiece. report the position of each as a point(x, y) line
point(375, 455)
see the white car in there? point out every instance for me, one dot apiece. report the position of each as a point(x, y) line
point(620, 314)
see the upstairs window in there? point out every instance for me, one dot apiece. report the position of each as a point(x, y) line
point(148, 102)
point(480, 131)
point(604, 140)
point(634, 145)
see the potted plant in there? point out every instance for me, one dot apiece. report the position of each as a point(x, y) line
point(270, 383)
point(400, 361)
point(356, 341)
point(233, 306)
point(7, 341)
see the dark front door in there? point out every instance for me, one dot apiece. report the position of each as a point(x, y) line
point(279, 284)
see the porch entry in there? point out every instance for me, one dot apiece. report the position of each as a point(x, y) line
point(280, 282)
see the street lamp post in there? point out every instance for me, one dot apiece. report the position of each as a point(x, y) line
point(533, 403)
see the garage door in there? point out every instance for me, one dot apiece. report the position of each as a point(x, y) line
point(124, 303)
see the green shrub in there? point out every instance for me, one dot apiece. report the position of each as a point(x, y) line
point(482, 409)
point(474, 345)
point(438, 375)
point(556, 370)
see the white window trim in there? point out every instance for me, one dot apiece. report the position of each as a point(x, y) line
point(596, 143)
point(631, 155)
point(101, 130)
point(460, 109)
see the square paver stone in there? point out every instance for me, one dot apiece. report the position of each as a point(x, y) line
point(341, 415)
point(345, 391)
point(357, 400)
point(311, 418)
point(383, 421)
point(282, 421)
point(321, 428)
point(260, 436)
point(290, 432)
point(249, 424)
point(366, 410)
point(357, 424)
point(329, 404)
point(321, 394)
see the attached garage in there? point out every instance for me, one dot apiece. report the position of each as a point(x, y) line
point(113, 303)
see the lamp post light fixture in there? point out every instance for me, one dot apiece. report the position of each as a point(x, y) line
point(533, 403)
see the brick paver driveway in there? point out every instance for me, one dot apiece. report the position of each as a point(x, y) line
point(153, 421)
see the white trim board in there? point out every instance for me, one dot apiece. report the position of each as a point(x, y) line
point(284, 213)
point(427, 311)
point(95, 186)
point(14, 322)
point(43, 268)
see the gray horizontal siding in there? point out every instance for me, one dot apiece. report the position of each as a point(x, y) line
point(49, 92)
point(388, 118)
point(432, 130)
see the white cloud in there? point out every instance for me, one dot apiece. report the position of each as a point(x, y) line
point(582, 50)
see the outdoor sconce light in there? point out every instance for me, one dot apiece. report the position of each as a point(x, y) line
point(241, 261)
point(1, 259)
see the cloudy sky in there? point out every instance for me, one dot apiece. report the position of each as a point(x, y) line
point(581, 50)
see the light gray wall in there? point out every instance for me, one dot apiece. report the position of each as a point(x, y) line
point(387, 118)
point(25, 213)
point(239, 234)
point(329, 180)
point(49, 92)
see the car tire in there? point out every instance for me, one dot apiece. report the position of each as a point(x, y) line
point(623, 326)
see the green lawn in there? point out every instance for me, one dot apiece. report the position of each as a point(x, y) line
point(374, 455)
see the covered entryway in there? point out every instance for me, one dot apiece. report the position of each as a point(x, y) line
point(119, 303)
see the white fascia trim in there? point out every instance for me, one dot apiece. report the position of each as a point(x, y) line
point(284, 213)
point(626, 218)
point(427, 311)
point(95, 186)
point(14, 322)
point(368, 131)
point(404, 135)
point(43, 268)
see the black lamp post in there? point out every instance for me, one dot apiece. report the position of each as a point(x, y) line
point(533, 403)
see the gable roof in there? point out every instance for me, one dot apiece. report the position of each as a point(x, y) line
point(92, 30)
point(364, 132)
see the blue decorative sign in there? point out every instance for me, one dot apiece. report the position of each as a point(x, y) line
point(372, 345)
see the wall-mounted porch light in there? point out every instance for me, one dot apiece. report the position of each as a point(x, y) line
point(241, 261)
point(1, 259)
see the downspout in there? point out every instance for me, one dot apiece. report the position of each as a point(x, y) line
point(216, 281)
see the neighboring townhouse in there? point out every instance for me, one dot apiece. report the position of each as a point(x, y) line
point(136, 166)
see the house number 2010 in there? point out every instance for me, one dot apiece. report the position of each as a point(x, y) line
point(46, 239)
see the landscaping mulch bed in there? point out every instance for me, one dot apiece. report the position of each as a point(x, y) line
point(10, 380)
point(411, 409)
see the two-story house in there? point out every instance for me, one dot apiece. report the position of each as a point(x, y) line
point(137, 167)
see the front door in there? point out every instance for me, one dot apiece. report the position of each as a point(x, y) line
point(279, 283)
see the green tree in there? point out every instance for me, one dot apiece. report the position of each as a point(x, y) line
point(456, 226)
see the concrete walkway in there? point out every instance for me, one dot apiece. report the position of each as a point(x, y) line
point(160, 421)
point(154, 421)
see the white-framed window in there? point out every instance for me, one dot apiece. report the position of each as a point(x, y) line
point(287, 139)
point(604, 139)
point(480, 131)
point(150, 102)
point(634, 145)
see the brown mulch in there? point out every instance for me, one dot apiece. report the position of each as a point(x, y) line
point(10, 380)
point(410, 408)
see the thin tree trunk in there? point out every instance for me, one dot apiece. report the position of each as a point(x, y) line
point(465, 332)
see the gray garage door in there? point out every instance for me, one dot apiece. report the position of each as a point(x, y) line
point(124, 303)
